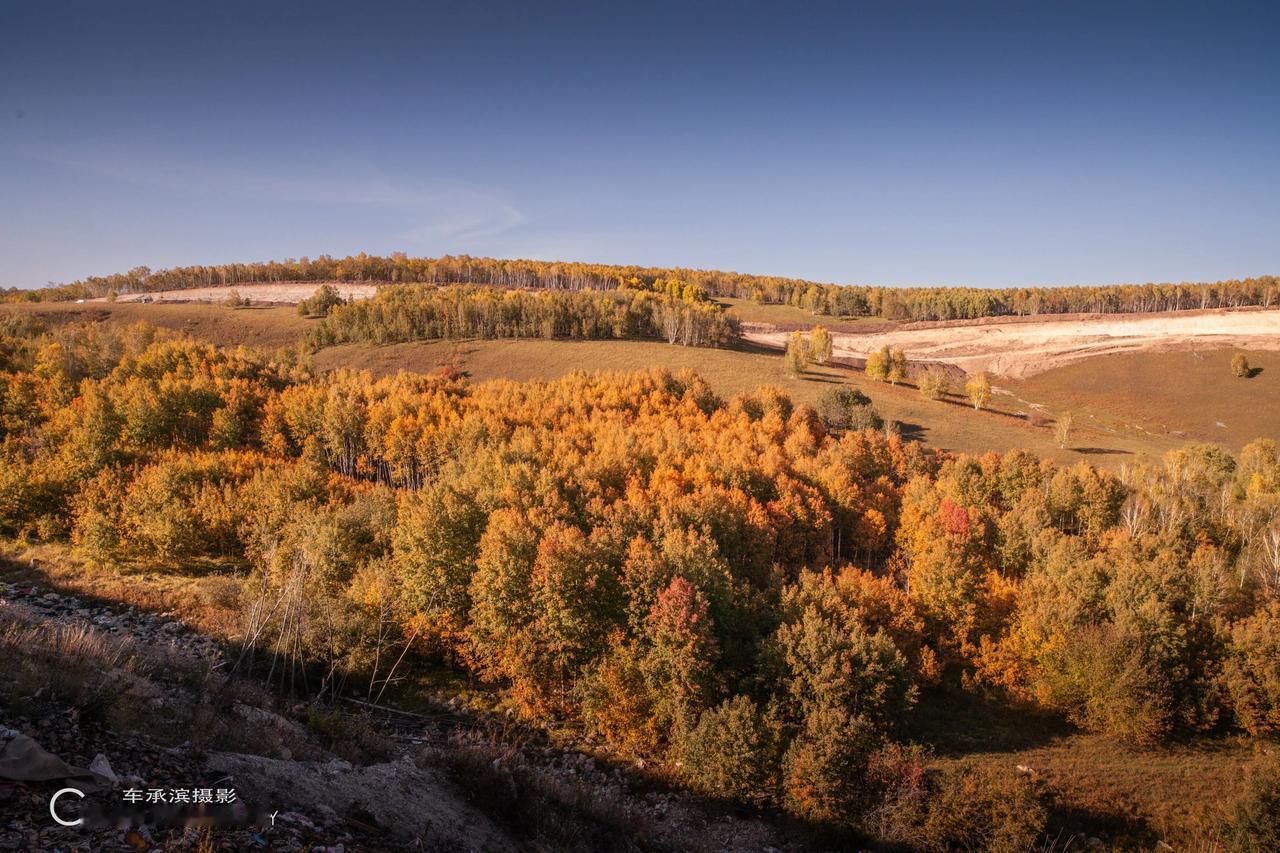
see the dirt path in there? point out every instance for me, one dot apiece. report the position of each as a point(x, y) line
point(1024, 349)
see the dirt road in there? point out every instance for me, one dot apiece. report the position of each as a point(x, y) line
point(1021, 349)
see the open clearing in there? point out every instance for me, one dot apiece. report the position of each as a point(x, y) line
point(1185, 396)
point(1022, 347)
point(259, 326)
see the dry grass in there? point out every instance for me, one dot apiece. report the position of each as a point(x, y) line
point(266, 327)
point(1176, 396)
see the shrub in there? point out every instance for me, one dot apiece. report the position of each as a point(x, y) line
point(235, 300)
point(824, 771)
point(731, 752)
point(1240, 365)
point(933, 383)
point(1252, 672)
point(617, 703)
point(1254, 823)
point(979, 808)
point(834, 661)
point(848, 408)
point(320, 303)
point(1105, 684)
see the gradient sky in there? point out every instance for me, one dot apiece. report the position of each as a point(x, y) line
point(894, 143)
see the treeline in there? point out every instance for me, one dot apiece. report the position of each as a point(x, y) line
point(926, 303)
point(723, 589)
point(423, 312)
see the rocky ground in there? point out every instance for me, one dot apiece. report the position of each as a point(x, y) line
point(143, 699)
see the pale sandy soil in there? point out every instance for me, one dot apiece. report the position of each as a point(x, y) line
point(286, 292)
point(1026, 348)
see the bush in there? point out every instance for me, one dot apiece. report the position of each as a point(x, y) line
point(1104, 683)
point(320, 303)
point(933, 383)
point(1240, 365)
point(1252, 672)
point(235, 300)
point(979, 808)
point(731, 752)
point(848, 408)
point(824, 771)
point(1254, 824)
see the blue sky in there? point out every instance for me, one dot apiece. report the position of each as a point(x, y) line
point(902, 143)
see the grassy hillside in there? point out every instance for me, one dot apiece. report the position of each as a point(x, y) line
point(268, 327)
point(1180, 396)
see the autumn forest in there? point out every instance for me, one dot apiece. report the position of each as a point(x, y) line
point(757, 598)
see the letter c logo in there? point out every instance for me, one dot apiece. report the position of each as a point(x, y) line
point(53, 801)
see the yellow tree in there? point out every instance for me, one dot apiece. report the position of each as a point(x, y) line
point(897, 367)
point(878, 365)
point(796, 359)
point(820, 345)
point(978, 390)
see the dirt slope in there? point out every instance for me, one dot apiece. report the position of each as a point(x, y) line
point(1022, 349)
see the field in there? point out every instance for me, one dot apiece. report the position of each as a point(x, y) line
point(1183, 395)
point(268, 327)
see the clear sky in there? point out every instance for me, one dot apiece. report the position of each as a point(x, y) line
point(893, 142)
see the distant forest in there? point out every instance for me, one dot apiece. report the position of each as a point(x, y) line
point(400, 313)
point(893, 303)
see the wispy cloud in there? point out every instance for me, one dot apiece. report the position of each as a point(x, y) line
point(433, 211)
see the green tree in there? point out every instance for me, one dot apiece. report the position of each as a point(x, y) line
point(732, 751)
point(934, 383)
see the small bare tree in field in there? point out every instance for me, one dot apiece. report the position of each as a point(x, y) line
point(1062, 429)
point(1240, 365)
